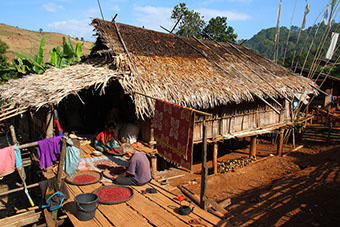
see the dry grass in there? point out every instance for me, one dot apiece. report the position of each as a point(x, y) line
point(28, 42)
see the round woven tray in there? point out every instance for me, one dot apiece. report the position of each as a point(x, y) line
point(114, 153)
point(114, 202)
point(97, 174)
point(108, 172)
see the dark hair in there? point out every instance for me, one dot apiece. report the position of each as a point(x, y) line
point(110, 124)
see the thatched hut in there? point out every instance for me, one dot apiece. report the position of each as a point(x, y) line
point(245, 91)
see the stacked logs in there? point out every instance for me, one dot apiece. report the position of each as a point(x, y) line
point(232, 164)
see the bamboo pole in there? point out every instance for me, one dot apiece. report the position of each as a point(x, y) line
point(250, 80)
point(18, 189)
point(204, 172)
point(243, 61)
point(5, 110)
point(12, 111)
point(62, 161)
point(13, 115)
point(130, 58)
point(5, 105)
point(203, 54)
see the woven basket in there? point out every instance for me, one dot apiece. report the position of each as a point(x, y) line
point(97, 174)
point(114, 202)
point(107, 172)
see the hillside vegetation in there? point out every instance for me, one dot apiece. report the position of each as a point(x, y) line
point(264, 43)
point(27, 42)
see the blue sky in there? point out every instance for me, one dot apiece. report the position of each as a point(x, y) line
point(72, 17)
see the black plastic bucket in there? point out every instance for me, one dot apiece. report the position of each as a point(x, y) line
point(87, 204)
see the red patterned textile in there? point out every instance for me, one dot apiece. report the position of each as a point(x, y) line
point(173, 131)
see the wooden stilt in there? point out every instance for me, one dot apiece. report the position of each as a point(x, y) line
point(204, 172)
point(215, 154)
point(252, 150)
point(280, 142)
point(154, 166)
point(61, 162)
point(49, 124)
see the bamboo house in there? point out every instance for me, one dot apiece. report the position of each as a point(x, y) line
point(246, 93)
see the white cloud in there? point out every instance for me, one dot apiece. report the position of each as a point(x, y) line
point(74, 28)
point(51, 7)
point(231, 15)
point(115, 8)
point(152, 17)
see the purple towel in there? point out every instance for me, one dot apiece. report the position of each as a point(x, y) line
point(48, 150)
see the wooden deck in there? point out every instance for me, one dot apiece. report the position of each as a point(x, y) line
point(157, 209)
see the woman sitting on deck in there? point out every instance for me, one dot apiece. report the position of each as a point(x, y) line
point(107, 140)
point(138, 171)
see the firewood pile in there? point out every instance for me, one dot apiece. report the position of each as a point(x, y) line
point(232, 164)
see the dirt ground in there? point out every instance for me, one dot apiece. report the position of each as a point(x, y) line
point(299, 189)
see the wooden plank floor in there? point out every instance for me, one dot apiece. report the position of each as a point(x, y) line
point(157, 209)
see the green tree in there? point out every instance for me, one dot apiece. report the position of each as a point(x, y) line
point(191, 23)
point(41, 30)
point(5, 72)
point(218, 29)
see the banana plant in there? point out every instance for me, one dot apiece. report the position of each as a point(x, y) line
point(23, 64)
point(62, 58)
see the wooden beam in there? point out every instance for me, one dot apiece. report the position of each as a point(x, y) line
point(13, 115)
point(61, 161)
point(204, 172)
point(280, 143)
point(215, 154)
point(49, 124)
point(252, 150)
point(154, 166)
point(22, 219)
point(48, 219)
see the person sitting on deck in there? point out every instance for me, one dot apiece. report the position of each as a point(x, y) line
point(138, 171)
point(107, 140)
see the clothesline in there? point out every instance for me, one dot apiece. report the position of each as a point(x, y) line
point(196, 111)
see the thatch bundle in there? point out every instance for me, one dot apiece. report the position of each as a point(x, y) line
point(167, 68)
point(55, 85)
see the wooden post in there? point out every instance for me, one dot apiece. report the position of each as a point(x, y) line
point(14, 138)
point(61, 162)
point(280, 142)
point(215, 154)
point(204, 172)
point(154, 166)
point(49, 124)
point(252, 150)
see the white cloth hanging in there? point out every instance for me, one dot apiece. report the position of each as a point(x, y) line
point(331, 48)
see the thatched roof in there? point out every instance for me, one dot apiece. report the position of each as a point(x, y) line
point(168, 69)
point(55, 84)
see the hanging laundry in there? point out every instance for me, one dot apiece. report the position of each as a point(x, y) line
point(325, 14)
point(332, 46)
point(173, 130)
point(307, 9)
point(59, 130)
point(7, 161)
point(48, 150)
point(18, 163)
point(72, 158)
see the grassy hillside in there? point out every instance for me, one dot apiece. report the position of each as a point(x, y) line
point(27, 42)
